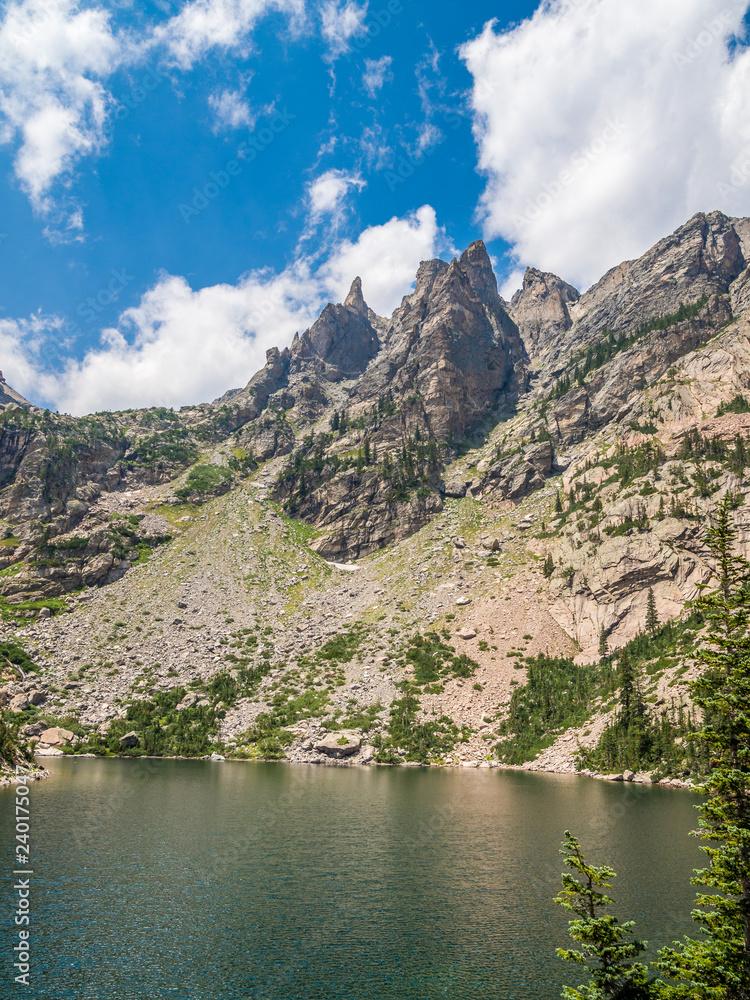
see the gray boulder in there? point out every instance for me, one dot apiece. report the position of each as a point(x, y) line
point(340, 744)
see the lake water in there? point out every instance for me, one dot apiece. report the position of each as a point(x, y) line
point(195, 880)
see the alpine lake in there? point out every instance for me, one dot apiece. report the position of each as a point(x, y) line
point(199, 880)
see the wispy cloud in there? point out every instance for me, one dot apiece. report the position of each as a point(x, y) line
point(327, 197)
point(203, 26)
point(341, 20)
point(53, 103)
point(377, 74)
point(232, 110)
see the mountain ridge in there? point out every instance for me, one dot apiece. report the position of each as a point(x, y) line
point(559, 453)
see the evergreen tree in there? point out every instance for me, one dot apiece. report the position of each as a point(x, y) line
point(558, 503)
point(548, 567)
point(605, 945)
point(335, 421)
point(628, 689)
point(603, 644)
point(652, 617)
point(717, 965)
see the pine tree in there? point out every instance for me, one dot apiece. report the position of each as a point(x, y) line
point(603, 644)
point(558, 503)
point(548, 568)
point(717, 965)
point(652, 617)
point(604, 946)
point(627, 687)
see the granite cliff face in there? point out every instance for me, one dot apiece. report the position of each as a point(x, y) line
point(561, 453)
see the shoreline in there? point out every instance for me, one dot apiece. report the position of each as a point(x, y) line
point(636, 779)
point(6, 780)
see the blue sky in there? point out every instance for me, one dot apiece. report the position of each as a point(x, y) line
point(185, 184)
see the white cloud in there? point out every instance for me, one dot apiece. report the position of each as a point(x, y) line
point(340, 22)
point(377, 74)
point(327, 196)
point(180, 345)
point(231, 110)
point(203, 25)
point(55, 61)
point(386, 257)
point(602, 125)
point(53, 104)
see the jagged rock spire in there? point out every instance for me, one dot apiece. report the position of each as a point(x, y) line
point(355, 300)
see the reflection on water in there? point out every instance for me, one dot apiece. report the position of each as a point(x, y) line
point(209, 881)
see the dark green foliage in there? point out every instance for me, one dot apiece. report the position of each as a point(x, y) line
point(13, 748)
point(190, 732)
point(243, 464)
point(717, 965)
point(734, 456)
point(606, 949)
point(603, 644)
point(18, 613)
point(652, 615)
point(433, 659)
point(158, 415)
point(421, 742)
point(612, 344)
point(163, 730)
point(628, 524)
point(205, 479)
point(642, 738)
point(16, 655)
point(344, 646)
point(662, 742)
point(268, 733)
point(556, 696)
point(632, 463)
point(548, 566)
point(560, 695)
point(414, 468)
point(363, 719)
point(737, 405)
point(171, 446)
point(71, 544)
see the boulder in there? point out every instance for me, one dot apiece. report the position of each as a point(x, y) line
point(340, 744)
point(130, 740)
point(456, 488)
point(56, 737)
point(37, 697)
point(541, 456)
point(187, 702)
point(466, 633)
point(628, 776)
point(34, 729)
point(19, 703)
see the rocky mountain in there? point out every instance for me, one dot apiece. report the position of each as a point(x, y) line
point(437, 494)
